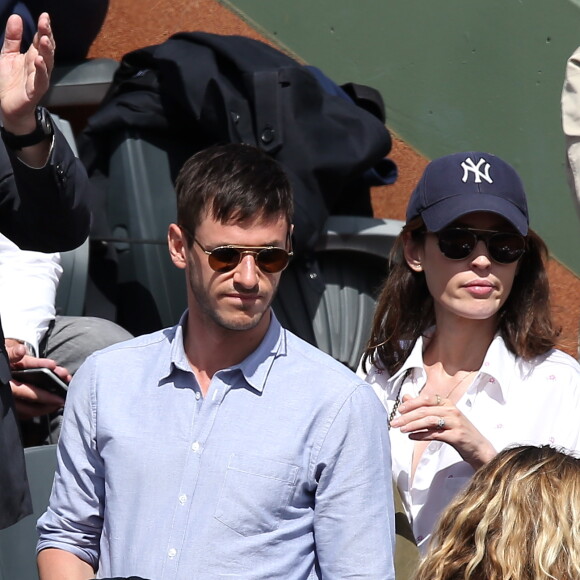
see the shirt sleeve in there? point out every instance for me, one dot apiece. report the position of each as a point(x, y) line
point(354, 513)
point(28, 283)
point(74, 518)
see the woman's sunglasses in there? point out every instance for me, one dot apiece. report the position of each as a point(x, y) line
point(268, 258)
point(503, 247)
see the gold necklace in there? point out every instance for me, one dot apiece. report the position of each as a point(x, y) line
point(398, 398)
point(449, 393)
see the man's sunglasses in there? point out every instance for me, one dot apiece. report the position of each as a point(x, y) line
point(503, 247)
point(269, 259)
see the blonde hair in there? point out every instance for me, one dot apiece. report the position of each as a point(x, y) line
point(518, 519)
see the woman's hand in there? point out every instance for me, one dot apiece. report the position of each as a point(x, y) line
point(432, 418)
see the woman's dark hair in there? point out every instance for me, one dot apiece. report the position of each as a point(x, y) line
point(405, 307)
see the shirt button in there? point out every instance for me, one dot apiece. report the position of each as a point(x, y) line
point(468, 402)
point(195, 446)
point(172, 553)
point(197, 395)
point(182, 498)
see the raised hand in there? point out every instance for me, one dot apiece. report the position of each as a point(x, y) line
point(24, 77)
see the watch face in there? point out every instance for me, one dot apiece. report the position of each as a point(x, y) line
point(43, 121)
point(42, 130)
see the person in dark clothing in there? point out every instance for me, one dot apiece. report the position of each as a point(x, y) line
point(43, 207)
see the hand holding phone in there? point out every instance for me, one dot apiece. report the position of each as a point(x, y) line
point(43, 378)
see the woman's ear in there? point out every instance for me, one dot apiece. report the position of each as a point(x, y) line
point(413, 252)
point(177, 246)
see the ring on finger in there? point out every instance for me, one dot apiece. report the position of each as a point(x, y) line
point(440, 423)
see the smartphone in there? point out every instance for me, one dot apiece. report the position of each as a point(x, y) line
point(42, 378)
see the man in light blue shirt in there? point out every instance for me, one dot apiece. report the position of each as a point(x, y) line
point(225, 446)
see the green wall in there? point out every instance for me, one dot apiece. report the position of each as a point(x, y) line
point(455, 75)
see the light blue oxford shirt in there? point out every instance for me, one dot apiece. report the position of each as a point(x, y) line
point(281, 471)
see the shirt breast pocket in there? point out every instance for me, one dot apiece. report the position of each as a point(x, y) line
point(255, 493)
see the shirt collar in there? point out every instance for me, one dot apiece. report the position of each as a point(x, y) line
point(255, 368)
point(177, 358)
point(499, 363)
point(415, 358)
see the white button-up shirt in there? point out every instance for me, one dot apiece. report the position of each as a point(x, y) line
point(511, 401)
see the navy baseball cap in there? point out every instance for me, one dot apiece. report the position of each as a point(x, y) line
point(461, 183)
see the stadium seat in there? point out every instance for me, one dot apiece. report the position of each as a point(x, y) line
point(85, 83)
point(18, 542)
point(71, 291)
point(326, 298)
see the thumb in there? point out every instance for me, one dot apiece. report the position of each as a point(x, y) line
point(16, 353)
point(13, 34)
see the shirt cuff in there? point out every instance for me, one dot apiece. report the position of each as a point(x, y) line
point(31, 349)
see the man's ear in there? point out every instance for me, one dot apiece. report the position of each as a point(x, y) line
point(413, 252)
point(177, 245)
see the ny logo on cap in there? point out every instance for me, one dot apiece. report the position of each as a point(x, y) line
point(478, 174)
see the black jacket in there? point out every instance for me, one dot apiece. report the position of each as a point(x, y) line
point(45, 210)
point(203, 89)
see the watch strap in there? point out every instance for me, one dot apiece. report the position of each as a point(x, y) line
point(43, 130)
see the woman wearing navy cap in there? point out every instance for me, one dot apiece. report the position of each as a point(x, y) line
point(461, 351)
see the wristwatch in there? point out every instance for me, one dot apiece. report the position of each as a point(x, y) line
point(30, 350)
point(43, 130)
